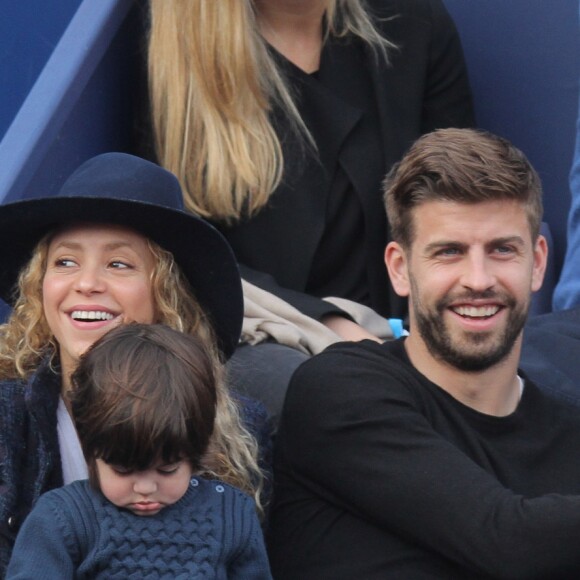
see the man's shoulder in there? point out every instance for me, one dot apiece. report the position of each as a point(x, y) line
point(363, 367)
point(356, 354)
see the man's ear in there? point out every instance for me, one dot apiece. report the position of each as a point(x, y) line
point(396, 262)
point(540, 262)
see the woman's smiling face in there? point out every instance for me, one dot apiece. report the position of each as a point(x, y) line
point(97, 276)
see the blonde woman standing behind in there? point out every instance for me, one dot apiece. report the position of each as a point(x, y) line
point(281, 118)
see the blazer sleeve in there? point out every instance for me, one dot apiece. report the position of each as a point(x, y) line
point(447, 101)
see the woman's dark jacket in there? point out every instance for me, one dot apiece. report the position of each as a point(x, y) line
point(29, 450)
point(424, 87)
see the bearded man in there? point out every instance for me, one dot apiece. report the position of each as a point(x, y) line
point(433, 456)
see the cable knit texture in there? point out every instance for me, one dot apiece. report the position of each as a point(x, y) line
point(212, 532)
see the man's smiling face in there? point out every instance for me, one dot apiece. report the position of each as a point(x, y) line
point(469, 274)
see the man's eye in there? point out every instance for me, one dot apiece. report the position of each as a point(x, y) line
point(448, 252)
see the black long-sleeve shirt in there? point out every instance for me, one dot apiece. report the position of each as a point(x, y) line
point(380, 473)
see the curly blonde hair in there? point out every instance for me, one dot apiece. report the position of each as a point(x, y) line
point(26, 339)
point(213, 83)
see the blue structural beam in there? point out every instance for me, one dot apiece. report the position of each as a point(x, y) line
point(26, 43)
point(49, 105)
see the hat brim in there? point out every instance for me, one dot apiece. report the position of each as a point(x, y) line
point(202, 253)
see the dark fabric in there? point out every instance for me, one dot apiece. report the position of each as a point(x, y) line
point(425, 87)
point(29, 450)
point(551, 353)
point(250, 373)
point(339, 264)
point(382, 474)
point(74, 532)
point(30, 461)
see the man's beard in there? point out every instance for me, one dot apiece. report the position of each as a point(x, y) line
point(443, 346)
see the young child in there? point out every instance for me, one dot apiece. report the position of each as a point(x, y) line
point(144, 403)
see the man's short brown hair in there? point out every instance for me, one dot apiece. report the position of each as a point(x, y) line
point(464, 166)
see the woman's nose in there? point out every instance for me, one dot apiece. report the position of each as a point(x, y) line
point(89, 280)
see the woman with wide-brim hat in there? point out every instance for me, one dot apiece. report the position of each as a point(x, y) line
point(113, 246)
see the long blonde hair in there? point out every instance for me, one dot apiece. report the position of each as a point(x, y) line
point(213, 84)
point(26, 339)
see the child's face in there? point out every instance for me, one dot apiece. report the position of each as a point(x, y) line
point(145, 493)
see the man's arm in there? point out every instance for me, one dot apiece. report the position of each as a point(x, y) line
point(356, 439)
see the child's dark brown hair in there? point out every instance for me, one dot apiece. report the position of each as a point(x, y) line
point(144, 393)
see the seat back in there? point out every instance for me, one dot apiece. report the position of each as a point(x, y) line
point(523, 58)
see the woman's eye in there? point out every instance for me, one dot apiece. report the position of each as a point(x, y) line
point(64, 263)
point(119, 265)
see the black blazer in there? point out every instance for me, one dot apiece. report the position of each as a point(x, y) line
point(424, 87)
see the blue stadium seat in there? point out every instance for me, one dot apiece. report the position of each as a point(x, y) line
point(523, 58)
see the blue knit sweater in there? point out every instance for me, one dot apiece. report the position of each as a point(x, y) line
point(30, 463)
point(75, 532)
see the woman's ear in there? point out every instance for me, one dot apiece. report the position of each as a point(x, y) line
point(396, 262)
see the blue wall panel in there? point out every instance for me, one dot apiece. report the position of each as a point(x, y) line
point(29, 31)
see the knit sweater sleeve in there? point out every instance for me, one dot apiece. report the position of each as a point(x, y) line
point(250, 561)
point(424, 28)
point(45, 547)
point(354, 434)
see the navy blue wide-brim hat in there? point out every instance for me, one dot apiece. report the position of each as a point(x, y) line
point(121, 189)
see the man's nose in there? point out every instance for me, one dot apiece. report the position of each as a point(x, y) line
point(478, 274)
